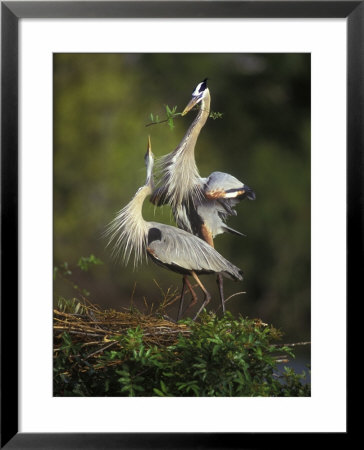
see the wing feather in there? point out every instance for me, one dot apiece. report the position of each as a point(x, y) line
point(220, 185)
point(177, 247)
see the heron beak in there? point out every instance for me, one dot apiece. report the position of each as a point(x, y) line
point(149, 157)
point(149, 148)
point(191, 104)
point(149, 160)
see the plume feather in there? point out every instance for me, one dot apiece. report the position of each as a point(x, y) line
point(127, 232)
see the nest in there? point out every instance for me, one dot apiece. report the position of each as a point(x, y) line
point(94, 326)
point(95, 331)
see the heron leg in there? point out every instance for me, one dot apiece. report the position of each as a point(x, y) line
point(220, 284)
point(207, 295)
point(185, 283)
point(194, 295)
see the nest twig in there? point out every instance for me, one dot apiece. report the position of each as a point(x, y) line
point(98, 327)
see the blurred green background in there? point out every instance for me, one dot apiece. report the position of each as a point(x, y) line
point(102, 103)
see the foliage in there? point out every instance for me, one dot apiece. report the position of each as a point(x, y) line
point(84, 263)
point(171, 114)
point(64, 272)
point(219, 357)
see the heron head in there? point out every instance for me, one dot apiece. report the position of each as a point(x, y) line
point(197, 95)
point(149, 161)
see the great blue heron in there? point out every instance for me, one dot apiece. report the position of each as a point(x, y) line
point(199, 205)
point(167, 246)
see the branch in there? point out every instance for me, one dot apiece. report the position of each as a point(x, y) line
point(294, 344)
point(231, 296)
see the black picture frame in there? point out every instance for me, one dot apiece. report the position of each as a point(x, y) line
point(11, 12)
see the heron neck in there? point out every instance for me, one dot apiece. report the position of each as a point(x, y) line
point(182, 177)
point(194, 130)
point(137, 203)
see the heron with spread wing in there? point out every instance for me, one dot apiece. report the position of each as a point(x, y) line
point(170, 247)
point(200, 205)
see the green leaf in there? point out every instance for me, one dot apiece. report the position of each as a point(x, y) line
point(158, 392)
point(163, 386)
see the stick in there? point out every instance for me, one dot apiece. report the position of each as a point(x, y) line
point(101, 349)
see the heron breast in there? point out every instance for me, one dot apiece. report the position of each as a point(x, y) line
point(206, 234)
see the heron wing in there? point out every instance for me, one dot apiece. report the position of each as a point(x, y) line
point(176, 247)
point(220, 185)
